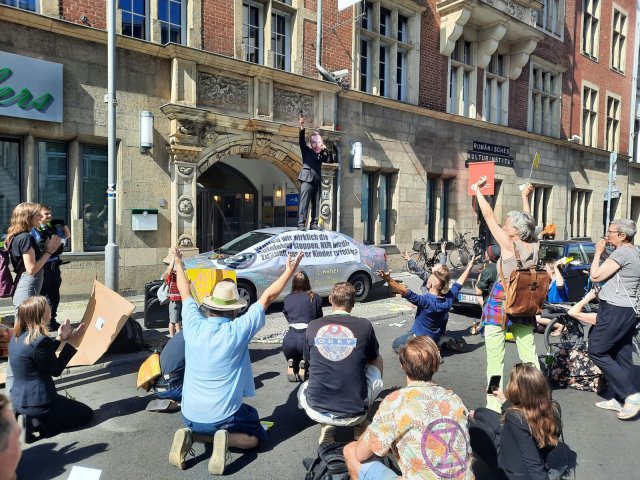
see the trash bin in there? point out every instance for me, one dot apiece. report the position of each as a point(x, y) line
point(156, 315)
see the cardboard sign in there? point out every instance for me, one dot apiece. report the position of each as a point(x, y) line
point(204, 279)
point(477, 170)
point(104, 316)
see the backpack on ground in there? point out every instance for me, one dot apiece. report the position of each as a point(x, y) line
point(129, 339)
point(526, 291)
point(328, 465)
point(573, 368)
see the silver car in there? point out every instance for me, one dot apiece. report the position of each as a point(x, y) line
point(258, 259)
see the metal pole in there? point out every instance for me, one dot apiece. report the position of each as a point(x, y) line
point(111, 249)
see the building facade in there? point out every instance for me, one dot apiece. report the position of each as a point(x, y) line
point(423, 87)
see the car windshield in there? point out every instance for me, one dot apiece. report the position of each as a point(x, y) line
point(550, 252)
point(243, 242)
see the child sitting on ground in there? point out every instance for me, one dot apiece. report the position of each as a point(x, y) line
point(558, 293)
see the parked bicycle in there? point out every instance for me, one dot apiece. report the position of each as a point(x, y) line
point(424, 259)
point(460, 255)
point(572, 333)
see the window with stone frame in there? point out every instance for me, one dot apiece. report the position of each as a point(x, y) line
point(579, 212)
point(618, 41)
point(437, 203)
point(135, 18)
point(612, 130)
point(540, 203)
point(591, 28)
point(590, 116)
point(30, 5)
point(386, 59)
point(551, 18)
point(462, 79)
point(376, 210)
point(172, 18)
point(495, 105)
point(252, 32)
point(545, 94)
point(281, 40)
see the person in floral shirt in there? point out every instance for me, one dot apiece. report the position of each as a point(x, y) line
point(423, 425)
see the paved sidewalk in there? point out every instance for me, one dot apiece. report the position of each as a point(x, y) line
point(379, 307)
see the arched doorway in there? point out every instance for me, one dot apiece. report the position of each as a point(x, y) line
point(226, 206)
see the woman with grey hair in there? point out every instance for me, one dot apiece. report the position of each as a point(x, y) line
point(517, 240)
point(610, 340)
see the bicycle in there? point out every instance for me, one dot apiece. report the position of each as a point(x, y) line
point(422, 258)
point(460, 255)
point(572, 334)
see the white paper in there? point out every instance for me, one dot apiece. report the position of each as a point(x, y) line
point(342, 4)
point(84, 473)
point(99, 323)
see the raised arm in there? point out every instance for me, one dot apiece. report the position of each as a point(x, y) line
point(272, 292)
point(395, 286)
point(526, 193)
point(302, 139)
point(181, 278)
point(465, 274)
point(487, 212)
point(559, 277)
point(602, 272)
point(577, 313)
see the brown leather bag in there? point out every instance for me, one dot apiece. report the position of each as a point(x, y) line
point(526, 291)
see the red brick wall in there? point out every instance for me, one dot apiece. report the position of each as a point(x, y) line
point(94, 10)
point(217, 26)
point(433, 66)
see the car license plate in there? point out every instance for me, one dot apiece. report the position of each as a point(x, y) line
point(467, 298)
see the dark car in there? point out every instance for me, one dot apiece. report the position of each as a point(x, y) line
point(576, 273)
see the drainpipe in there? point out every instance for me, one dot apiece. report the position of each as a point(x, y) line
point(323, 71)
point(338, 185)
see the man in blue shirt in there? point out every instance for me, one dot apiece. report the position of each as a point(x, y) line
point(558, 293)
point(433, 307)
point(218, 368)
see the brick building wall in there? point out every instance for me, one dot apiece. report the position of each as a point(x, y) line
point(433, 66)
point(217, 26)
point(94, 10)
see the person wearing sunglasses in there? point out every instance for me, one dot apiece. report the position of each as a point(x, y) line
point(526, 431)
point(611, 338)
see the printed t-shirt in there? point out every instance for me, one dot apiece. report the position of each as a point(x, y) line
point(628, 277)
point(338, 348)
point(425, 426)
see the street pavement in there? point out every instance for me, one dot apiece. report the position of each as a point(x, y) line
point(127, 442)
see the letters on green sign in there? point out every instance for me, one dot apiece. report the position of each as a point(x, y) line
point(24, 99)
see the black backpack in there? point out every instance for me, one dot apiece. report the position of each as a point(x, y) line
point(129, 339)
point(328, 465)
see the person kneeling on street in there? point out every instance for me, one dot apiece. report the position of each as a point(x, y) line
point(345, 368)
point(33, 359)
point(218, 370)
point(168, 388)
point(412, 423)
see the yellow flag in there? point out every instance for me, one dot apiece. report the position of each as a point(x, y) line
point(536, 160)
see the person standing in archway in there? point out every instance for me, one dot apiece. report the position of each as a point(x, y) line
point(313, 155)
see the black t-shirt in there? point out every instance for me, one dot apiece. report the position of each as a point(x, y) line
point(299, 308)
point(172, 355)
point(338, 348)
point(20, 244)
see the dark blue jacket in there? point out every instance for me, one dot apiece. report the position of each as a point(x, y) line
point(33, 367)
point(433, 311)
point(311, 161)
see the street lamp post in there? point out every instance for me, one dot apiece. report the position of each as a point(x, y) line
point(111, 249)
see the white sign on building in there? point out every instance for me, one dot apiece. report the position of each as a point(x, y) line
point(30, 88)
point(342, 4)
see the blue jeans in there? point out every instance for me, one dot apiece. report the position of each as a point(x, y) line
point(374, 469)
point(245, 420)
point(174, 393)
point(401, 341)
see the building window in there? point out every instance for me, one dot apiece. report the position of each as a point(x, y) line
point(401, 75)
point(281, 40)
point(30, 5)
point(545, 93)
point(9, 180)
point(172, 18)
point(134, 18)
point(366, 208)
point(496, 91)
point(438, 208)
point(551, 17)
point(52, 178)
point(618, 41)
point(590, 117)
point(613, 124)
point(540, 200)
point(252, 32)
point(579, 213)
point(591, 28)
point(384, 56)
point(462, 75)
point(94, 201)
point(383, 71)
point(365, 65)
point(384, 208)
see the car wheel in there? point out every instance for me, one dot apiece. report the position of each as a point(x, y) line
point(361, 284)
point(248, 293)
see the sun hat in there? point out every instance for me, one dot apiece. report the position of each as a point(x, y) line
point(225, 297)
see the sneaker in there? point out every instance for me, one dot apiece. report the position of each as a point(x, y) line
point(611, 404)
point(181, 445)
point(302, 370)
point(327, 434)
point(314, 226)
point(292, 375)
point(218, 460)
point(631, 407)
point(22, 422)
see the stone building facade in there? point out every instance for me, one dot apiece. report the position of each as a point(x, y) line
point(429, 85)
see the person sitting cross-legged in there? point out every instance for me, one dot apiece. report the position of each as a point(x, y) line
point(423, 425)
point(218, 368)
point(345, 368)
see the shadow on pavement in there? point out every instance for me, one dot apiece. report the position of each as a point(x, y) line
point(264, 376)
point(45, 461)
point(259, 354)
point(71, 380)
point(288, 421)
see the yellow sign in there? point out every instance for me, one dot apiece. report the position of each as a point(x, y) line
point(536, 160)
point(204, 279)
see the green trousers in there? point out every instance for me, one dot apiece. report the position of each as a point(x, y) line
point(494, 338)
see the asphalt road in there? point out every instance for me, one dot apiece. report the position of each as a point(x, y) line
point(126, 442)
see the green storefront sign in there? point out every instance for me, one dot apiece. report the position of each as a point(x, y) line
point(24, 98)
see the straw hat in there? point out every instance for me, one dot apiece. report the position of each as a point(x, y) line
point(225, 297)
